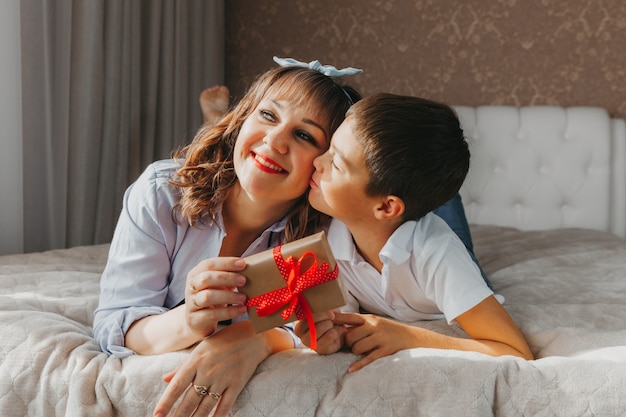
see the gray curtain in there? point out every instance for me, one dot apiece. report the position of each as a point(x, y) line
point(108, 87)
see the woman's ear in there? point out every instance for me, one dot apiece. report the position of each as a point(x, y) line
point(389, 207)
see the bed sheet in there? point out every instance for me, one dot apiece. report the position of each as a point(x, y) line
point(566, 289)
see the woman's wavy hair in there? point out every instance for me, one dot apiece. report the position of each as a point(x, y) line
point(207, 173)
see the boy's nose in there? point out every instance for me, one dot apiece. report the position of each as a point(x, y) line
point(318, 162)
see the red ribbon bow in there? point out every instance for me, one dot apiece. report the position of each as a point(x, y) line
point(297, 282)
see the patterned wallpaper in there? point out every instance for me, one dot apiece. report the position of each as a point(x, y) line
point(472, 52)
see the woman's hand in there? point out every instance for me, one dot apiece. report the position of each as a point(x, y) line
point(330, 336)
point(210, 296)
point(217, 370)
point(209, 299)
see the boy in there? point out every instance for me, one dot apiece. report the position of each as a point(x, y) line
point(395, 159)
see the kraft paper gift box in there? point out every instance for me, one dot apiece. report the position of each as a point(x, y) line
point(266, 276)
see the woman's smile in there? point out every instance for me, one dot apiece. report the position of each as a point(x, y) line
point(266, 164)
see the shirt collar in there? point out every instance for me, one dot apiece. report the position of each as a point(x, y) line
point(340, 241)
point(397, 248)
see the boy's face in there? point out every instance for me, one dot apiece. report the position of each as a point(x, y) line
point(340, 178)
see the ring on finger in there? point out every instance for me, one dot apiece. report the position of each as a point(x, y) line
point(201, 390)
point(215, 395)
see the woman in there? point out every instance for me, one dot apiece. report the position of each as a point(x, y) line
point(237, 189)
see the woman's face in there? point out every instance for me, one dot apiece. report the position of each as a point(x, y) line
point(275, 149)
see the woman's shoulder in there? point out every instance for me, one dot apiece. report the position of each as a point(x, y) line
point(161, 169)
point(153, 186)
point(156, 175)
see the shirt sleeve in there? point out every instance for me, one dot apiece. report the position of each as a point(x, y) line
point(453, 281)
point(135, 281)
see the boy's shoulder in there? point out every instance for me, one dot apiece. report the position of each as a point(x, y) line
point(410, 235)
point(432, 225)
point(424, 238)
point(427, 228)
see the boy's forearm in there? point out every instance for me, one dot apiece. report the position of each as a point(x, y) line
point(429, 339)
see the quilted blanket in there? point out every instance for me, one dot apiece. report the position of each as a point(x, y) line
point(566, 289)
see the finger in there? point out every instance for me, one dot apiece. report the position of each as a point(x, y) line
point(225, 404)
point(301, 328)
point(361, 363)
point(208, 403)
point(167, 377)
point(173, 391)
point(201, 318)
point(331, 341)
point(359, 334)
point(191, 400)
point(351, 319)
point(327, 315)
point(222, 263)
point(217, 272)
point(212, 279)
point(321, 329)
point(210, 298)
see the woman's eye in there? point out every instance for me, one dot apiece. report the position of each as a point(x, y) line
point(332, 163)
point(307, 137)
point(267, 115)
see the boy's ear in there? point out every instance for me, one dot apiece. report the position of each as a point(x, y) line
point(389, 207)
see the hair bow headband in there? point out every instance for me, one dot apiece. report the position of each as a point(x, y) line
point(327, 70)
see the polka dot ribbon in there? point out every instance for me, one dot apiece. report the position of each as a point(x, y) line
point(291, 295)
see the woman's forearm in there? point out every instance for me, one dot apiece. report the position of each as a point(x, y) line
point(160, 333)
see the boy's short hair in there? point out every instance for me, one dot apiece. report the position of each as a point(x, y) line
point(414, 149)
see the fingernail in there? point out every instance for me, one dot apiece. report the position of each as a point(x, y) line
point(241, 280)
point(240, 263)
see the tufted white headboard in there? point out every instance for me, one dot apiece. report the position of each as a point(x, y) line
point(545, 167)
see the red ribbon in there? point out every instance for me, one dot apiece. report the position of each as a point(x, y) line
point(297, 282)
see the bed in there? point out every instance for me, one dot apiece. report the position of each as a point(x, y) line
point(546, 200)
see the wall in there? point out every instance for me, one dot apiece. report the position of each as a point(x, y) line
point(11, 234)
point(471, 52)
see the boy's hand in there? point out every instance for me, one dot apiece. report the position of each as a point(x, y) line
point(372, 336)
point(330, 337)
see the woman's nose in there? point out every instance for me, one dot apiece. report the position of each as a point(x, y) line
point(277, 141)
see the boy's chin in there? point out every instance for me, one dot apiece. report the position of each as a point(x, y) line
point(314, 203)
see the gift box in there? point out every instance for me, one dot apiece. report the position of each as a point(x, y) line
point(292, 282)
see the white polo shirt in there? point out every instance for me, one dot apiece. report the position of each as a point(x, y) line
point(427, 273)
